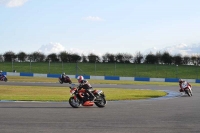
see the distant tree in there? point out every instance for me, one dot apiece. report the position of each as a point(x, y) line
point(37, 56)
point(30, 57)
point(9, 56)
point(120, 57)
point(108, 57)
point(177, 59)
point(111, 58)
point(138, 58)
point(75, 58)
point(151, 59)
point(93, 58)
point(198, 59)
point(159, 57)
point(53, 57)
point(186, 60)
point(22, 56)
point(1, 58)
point(166, 58)
point(84, 58)
point(105, 57)
point(194, 60)
point(127, 58)
point(64, 56)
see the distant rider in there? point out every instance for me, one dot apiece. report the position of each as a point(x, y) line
point(184, 82)
point(63, 75)
point(1, 74)
point(84, 84)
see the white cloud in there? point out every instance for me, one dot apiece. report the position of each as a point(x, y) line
point(84, 52)
point(12, 3)
point(91, 18)
point(51, 48)
point(151, 50)
point(183, 49)
point(57, 48)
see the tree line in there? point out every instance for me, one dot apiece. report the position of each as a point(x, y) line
point(158, 58)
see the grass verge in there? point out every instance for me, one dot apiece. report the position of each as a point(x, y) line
point(58, 94)
point(42, 79)
point(42, 93)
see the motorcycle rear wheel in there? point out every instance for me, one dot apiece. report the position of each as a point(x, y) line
point(75, 103)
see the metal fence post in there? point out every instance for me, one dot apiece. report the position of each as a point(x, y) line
point(30, 64)
point(197, 72)
point(176, 71)
point(115, 68)
point(12, 64)
point(76, 68)
point(49, 65)
point(62, 65)
point(95, 68)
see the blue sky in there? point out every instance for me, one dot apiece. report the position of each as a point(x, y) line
point(99, 26)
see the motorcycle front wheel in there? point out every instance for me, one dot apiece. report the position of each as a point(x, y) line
point(100, 102)
point(60, 81)
point(75, 103)
point(5, 79)
point(188, 92)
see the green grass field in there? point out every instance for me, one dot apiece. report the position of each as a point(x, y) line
point(30, 93)
point(105, 69)
point(43, 93)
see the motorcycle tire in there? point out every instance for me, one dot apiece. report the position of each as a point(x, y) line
point(187, 91)
point(75, 103)
point(60, 81)
point(5, 79)
point(100, 102)
point(190, 92)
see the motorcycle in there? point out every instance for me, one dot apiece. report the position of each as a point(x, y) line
point(65, 80)
point(186, 88)
point(80, 97)
point(3, 78)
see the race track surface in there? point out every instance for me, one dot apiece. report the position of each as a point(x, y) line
point(180, 114)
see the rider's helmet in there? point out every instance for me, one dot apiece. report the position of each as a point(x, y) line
point(1, 71)
point(63, 75)
point(180, 81)
point(80, 78)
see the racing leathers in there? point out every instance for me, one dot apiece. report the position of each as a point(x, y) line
point(183, 85)
point(84, 84)
point(1, 76)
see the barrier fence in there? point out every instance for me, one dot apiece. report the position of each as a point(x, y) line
point(105, 69)
point(102, 77)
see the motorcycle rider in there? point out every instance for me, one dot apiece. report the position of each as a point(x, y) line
point(1, 74)
point(181, 81)
point(84, 84)
point(63, 75)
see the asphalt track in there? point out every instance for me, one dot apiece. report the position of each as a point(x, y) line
point(171, 114)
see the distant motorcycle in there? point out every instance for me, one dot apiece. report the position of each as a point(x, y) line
point(65, 80)
point(186, 88)
point(3, 78)
point(80, 97)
